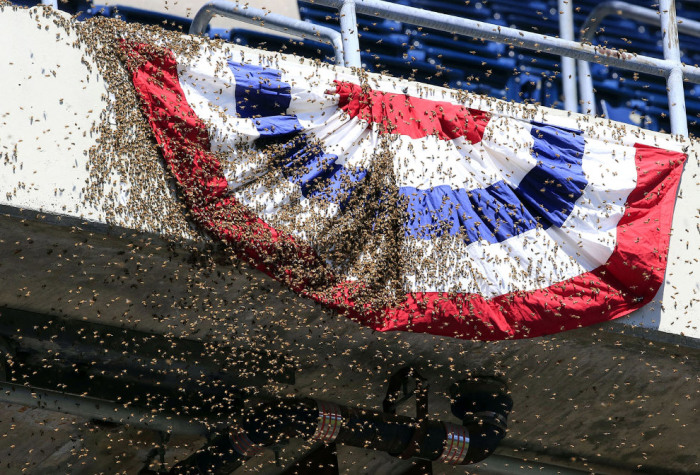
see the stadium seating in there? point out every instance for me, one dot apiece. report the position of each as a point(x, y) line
point(524, 76)
point(487, 68)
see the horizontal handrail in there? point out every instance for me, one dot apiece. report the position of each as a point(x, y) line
point(270, 20)
point(671, 69)
point(515, 37)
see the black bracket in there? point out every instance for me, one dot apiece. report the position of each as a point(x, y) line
point(398, 392)
point(277, 450)
point(7, 351)
point(156, 452)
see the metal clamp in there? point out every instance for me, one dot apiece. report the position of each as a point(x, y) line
point(456, 444)
point(397, 391)
point(244, 446)
point(330, 420)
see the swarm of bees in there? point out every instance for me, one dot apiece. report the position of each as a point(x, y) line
point(158, 295)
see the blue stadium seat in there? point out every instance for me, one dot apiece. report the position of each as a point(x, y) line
point(532, 89)
point(391, 43)
point(479, 12)
point(27, 3)
point(632, 112)
point(487, 49)
point(417, 70)
point(270, 42)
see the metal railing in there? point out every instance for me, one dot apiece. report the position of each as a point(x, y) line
point(269, 20)
point(568, 64)
point(629, 11)
point(670, 67)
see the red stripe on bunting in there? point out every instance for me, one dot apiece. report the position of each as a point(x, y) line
point(412, 116)
point(630, 278)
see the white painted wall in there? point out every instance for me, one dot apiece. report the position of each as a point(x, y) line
point(48, 103)
point(189, 8)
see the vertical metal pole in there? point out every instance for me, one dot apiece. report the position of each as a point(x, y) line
point(568, 65)
point(585, 81)
point(674, 81)
point(348, 28)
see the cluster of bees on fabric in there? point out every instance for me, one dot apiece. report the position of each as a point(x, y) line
point(365, 240)
point(267, 320)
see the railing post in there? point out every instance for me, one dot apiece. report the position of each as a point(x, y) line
point(348, 28)
point(568, 64)
point(674, 80)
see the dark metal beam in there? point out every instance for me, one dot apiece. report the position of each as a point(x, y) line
point(322, 459)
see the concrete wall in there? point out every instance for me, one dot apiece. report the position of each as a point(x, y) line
point(189, 8)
